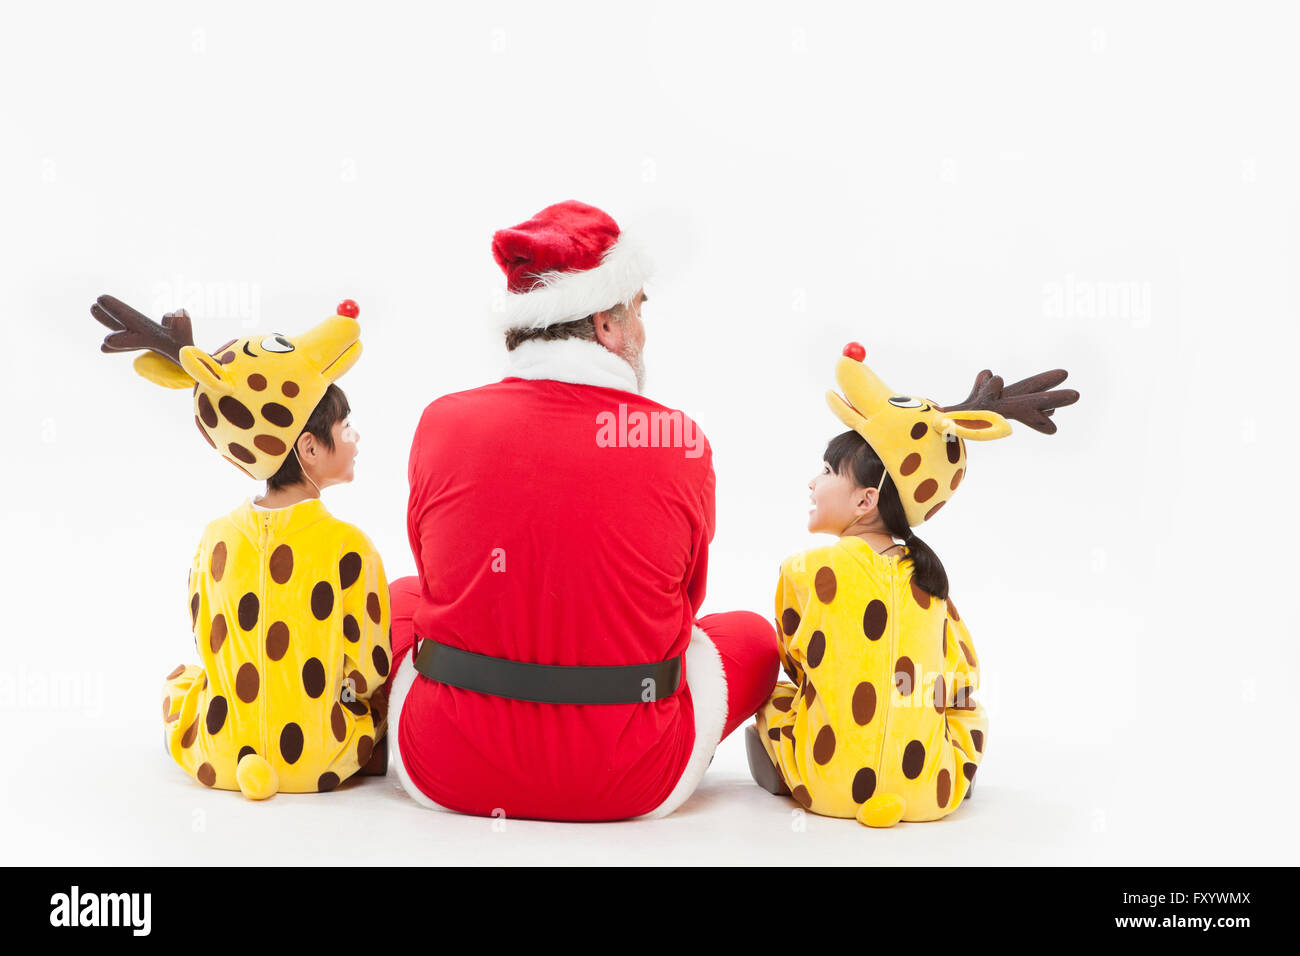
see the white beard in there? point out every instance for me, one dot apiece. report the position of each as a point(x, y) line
point(636, 359)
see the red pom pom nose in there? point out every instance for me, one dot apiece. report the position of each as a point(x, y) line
point(855, 351)
point(349, 308)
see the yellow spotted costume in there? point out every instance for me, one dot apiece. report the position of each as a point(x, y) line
point(885, 677)
point(289, 607)
point(880, 722)
point(290, 614)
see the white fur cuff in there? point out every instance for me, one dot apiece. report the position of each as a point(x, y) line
point(708, 683)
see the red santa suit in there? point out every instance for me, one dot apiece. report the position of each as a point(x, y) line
point(558, 517)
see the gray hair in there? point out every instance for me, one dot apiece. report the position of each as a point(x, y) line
point(584, 328)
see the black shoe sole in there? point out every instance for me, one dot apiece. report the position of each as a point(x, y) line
point(377, 765)
point(761, 767)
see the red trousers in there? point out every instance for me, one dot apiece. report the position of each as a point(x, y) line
point(745, 641)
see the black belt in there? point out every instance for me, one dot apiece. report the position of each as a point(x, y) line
point(548, 683)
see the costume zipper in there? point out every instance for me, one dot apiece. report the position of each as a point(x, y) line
point(890, 675)
point(263, 564)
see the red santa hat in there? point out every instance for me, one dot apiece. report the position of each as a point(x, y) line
point(567, 262)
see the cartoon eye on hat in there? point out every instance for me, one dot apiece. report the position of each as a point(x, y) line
point(922, 443)
point(252, 395)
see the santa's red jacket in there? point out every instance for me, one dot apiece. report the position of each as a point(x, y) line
point(559, 522)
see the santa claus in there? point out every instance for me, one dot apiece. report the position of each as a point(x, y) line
point(548, 661)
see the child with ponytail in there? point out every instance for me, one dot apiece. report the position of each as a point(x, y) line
point(879, 721)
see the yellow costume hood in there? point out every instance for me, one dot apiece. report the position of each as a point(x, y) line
point(252, 395)
point(922, 443)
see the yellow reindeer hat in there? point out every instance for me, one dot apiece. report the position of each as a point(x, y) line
point(921, 443)
point(252, 396)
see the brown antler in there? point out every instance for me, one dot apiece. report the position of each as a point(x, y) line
point(133, 330)
point(1027, 401)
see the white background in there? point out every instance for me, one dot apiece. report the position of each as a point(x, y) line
point(1095, 187)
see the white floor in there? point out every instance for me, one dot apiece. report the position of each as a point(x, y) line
point(70, 800)
point(1118, 735)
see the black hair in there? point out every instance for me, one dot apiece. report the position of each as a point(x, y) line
point(333, 407)
point(850, 455)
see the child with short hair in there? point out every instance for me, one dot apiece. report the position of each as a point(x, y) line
point(289, 605)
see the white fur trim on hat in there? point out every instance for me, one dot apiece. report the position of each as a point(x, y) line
point(579, 361)
point(708, 683)
point(566, 296)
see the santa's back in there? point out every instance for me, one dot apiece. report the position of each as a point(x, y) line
point(561, 524)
